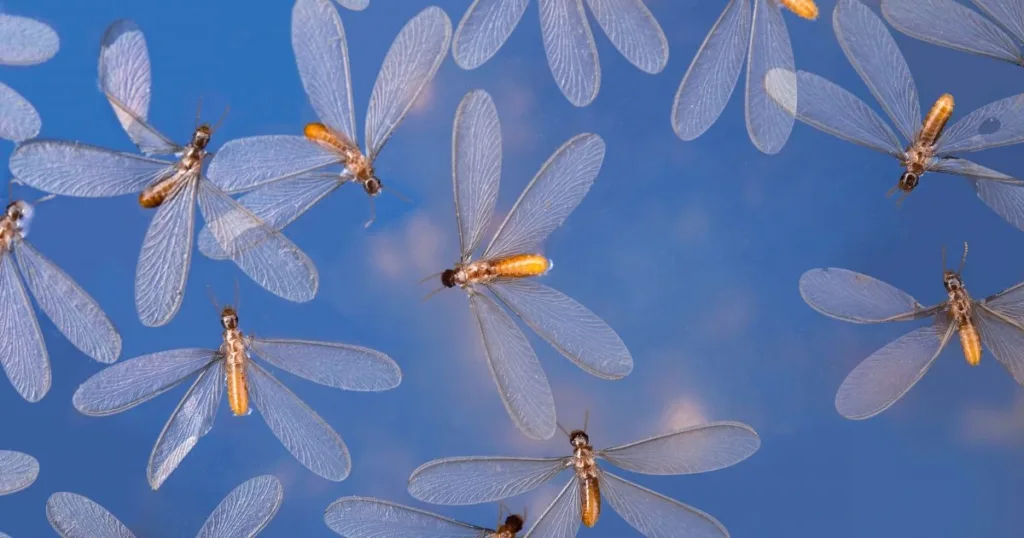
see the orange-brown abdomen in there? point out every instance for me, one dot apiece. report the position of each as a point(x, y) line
point(234, 369)
point(805, 9)
point(971, 342)
point(590, 500)
point(936, 120)
point(521, 266)
point(318, 132)
point(155, 194)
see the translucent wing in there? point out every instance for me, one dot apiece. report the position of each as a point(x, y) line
point(72, 310)
point(577, 333)
point(873, 53)
point(570, 48)
point(484, 29)
point(321, 53)
point(409, 66)
point(1000, 123)
point(655, 515)
point(166, 254)
point(949, 24)
point(17, 471)
point(1009, 13)
point(768, 124)
point(885, 376)
point(255, 161)
point(697, 449)
point(354, 5)
point(22, 348)
point(1008, 303)
point(522, 385)
point(476, 166)
point(634, 31)
point(246, 510)
point(134, 381)
point(1002, 193)
point(19, 120)
point(75, 169)
point(363, 517)
point(711, 77)
point(475, 480)
point(1003, 336)
point(857, 298)
point(75, 516)
point(309, 439)
point(192, 419)
point(340, 366)
point(25, 41)
point(561, 519)
point(550, 197)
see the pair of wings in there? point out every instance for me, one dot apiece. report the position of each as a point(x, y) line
point(23, 42)
point(306, 436)
point(547, 201)
point(74, 169)
point(709, 82)
point(949, 24)
point(243, 513)
point(568, 40)
point(17, 471)
point(707, 447)
point(365, 517)
point(889, 373)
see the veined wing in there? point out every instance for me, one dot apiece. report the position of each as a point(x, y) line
point(255, 161)
point(1008, 13)
point(1000, 123)
point(884, 377)
point(873, 53)
point(572, 329)
point(409, 66)
point(1003, 335)
point(476, 166)
point(321, 53)
point(309, 439)
point(335, 365)
point(364, 517)
point(25, 41)
point(72, 310)
point(19, 120)
point(521, 382)
point(354, 5)
point(484, 29)
point(550, 197)
point(711, 77)
point(22, 348)
point(562, 518)
point(570, 48)
point(655, 515)
point(76, 516)
point(131, 382)
point(858, 298)
point(950, 24)
point(634, 31)
point(475, 480)
point(1002, 193)
point(166, 254)
point(17, 471)
point(697, 449)
point(1008, 303)
point(245, 511)
point(76, 169)
point(768, 124)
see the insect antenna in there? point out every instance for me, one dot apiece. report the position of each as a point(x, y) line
point(213, 298)
point(373, 214)
point(963, 259)
point(560, 427)
point(943, 258)
point(431, 294)
point(220, 121)
point(238, 296)
point(586, 419)
point(428, 277)
point(399, 195)
point(199, 111)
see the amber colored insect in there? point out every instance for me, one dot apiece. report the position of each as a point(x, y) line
point(960, 310)
point(585, 465)
point(805, 9)
point(190, 163)
point(486, 271)
point(355, 160)
point(235, 358)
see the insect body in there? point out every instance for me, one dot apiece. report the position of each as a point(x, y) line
point(960, 311)
point(235, 358)
point(805, 9)
point(355, 161)
point(186, 169)
point(486, 271)
point(922, 149)
point(585, 465)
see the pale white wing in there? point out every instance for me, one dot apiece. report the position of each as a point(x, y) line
point(134, 381)
point(521, 381)
point(409, 66)
point(1002, 193)
point(655, 515)
point(354, 5)
point(309, 439)
point(1003, 335)
point(570, 48)
point(166, 254)
point(75, 314)
point(884, 377)
point(857, 298)
point(572, 329)
point(476, 166)
point(17, 471)
point(19, 120)
point(245, 511)
point(22, 348)
point(1009, 303)
point(363, 517)
point(192, 419)
point(76, 516)
point(712, 75)
point(948, 23)
point(561, 519)
point(634, 31)
point(1009, 13)
point(1000, 123)
point(550, 197)
point(25, 41)
point(697, 449)
point(768, 124)
point(321, 53)
point(335, 365)
point(475, 480)
point(76, 169)
point(248, 163)
point(484, 29)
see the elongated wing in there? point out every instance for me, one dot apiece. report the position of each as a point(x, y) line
point(335, 365)
point(521, 382)
point(409, 66)
point(309, 439)
point(1003, 335)
point(476, 166)
point(712, 75)
point(570, 48)
point(634, 31)
point(245, 511)
point(364, 517)
point(72, 310)
point(768, 124)
point(1000, 123)
point(858, 298)
point(25, 41)
point(561, 519)
point(885, 376)
point(19, 120)
point(166, 254)
point(1008, 303)
point(550, 197)
point(22, 348)
point(1008, 13)
point(17, 471)
point(76, 516)
point(572, 329)
point(354, 5)
point(655, 515)
point(697, 449)
point(1002, 193)
point(134, 381)
point(321, 53)
point(484, 29)
point(950, 24)
point(255, 161)
point(475, 480)
point(76, 169)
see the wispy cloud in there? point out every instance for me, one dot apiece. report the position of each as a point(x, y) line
point(1001, 426)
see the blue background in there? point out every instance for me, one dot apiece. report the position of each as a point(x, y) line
point(691, 251)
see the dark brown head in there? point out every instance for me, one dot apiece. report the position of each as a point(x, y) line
point(372, 186)
point(201, 136)
point(952, 279)
point(514, 523)
point(15, 210)
point(229, 318)
point(448, 278)
point(908, 181)
point(579, 439)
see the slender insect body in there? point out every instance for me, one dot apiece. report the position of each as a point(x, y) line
point(485, 271)
point(349, 154)
point(185, 169)
point(14, 224)
point(922, 149)
point(960, 312)
point(584, 464)
point(235, 358)
point(805, 9)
